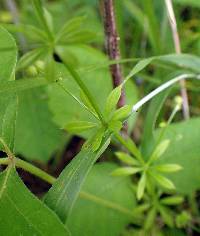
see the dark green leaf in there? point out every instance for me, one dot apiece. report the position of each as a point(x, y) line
point(21, 213)
point(64, 192)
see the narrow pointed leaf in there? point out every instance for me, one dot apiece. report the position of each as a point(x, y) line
point(168, 168)
point(112, 100)
point(141, 186)
point(122, 113)
point(63, 194)
point(125, 171)
point(124, 157)
point(163, 181)
point(173, 200)
point(150, 219)
point(159, 150)
point(79, 126)
point(166, 215)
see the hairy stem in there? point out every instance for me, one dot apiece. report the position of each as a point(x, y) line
point(112, 46)
point(177, 45)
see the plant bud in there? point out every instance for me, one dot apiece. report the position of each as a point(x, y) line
point(40, 65)
point(32, 71)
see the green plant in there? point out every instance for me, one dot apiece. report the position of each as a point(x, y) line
point(61, 87)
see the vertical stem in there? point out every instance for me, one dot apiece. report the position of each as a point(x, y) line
point(112, 45)
point(176, 39)
point(12, 7)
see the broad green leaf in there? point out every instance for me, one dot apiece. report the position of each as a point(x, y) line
point(159, 150)
point(112, 101)
point(141, 186)
point(125, 171)
point(184, 150)
point(8, 103)
point(104, 199)
point(163, 181)
point(122, 113)
point(8, 116)
point(64, 192)
point(79, 126)
point(37, 137)
point(124, 157)
point(168, 168)
point(192, 3)
point(172, 200)
point(21, 213)
point(10, 87)
point(99, 83)
point(8, 55)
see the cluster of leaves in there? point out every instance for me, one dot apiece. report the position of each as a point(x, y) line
point(55, 89)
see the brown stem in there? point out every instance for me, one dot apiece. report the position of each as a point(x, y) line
point(112, 45)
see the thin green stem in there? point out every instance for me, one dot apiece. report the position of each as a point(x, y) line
point(87, 93)
point(30, 168)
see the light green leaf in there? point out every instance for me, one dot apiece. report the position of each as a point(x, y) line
point(166, 215)
point(124, 157)
point(163, 181)
point(172, 200)
point(115, 125)
point(111, 197)
point(141, 186)
point(125, 171)
point(79, 126)
point(8, 55)
point(184, 150)
point(16, 202)
point(150, 218)
point(112, 101)
point(64, 192)
point(168, 168)
point(122, 113)
point(37, 137)
point(159, 150)
point(86, 102)
point(63, 107)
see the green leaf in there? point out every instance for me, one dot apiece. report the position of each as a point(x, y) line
point(112, 101)
point(115, 126)
point(33, 217)
point(172, 200)
point(168, 168)
point(192, 3)
point(150, 218)
point(125, 171)
point(8, 116)
point(37, 137)
point(79, 126)
point(10, 87)
point(184, 150)
point(163, 181)
point(141, 186)
point(103, 199)
point(122, 113)
point(63, 107)
point(8, 55)
point(133, 148)
point(159, 150)
point(86, 102)
point(124, 157)
point(64, 192)
point(166, 215)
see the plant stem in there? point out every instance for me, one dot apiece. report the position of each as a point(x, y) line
point(162, 88)
point(176, 39)
point(30, 168)
point(112, 45)
point(87, 93)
